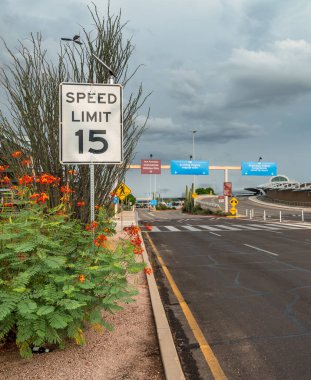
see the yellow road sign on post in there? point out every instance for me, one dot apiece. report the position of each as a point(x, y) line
point(232, 211)
point(233, 202)
point(122, 191)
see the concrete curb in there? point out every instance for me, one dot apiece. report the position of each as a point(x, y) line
point(170, 359)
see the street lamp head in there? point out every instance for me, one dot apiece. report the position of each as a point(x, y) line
point(75, 39)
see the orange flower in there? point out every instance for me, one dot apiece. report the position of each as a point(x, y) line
point(66, 190)
point(3, 168)
point(97, 207)
point(25, 180)
point(5, 180)
point(26, 162)
point(39, 198)
point(8, 204)
point(48, 179)
point(148, 271)
point(80, 203)
point(93, 226)
point(81, 278)
point(34, 196)
point(100, 240)
point(72, 172)
point(43, 198)
point(16, 154)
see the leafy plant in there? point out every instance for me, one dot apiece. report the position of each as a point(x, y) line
point(56, 275)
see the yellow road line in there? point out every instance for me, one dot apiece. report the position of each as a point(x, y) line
point(209, 356)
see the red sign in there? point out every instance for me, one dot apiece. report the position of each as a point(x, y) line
point(228, 189)
point(150, 166)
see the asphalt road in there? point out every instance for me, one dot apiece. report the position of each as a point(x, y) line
point(248, 285)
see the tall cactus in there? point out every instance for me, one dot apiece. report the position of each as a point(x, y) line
point(189, 201)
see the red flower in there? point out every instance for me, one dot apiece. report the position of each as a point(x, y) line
point(93, 226)
point(26, 162)
point(48, 179)
point(148, 271)
point(66, 190)
point(3, 168)
point(5, 180)
point(39, 198)
point(16, 154)
point(25, 180)
point(80, 203)
point(81, 278)
point(100, 240)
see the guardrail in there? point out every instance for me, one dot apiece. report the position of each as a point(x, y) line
point(284, 203)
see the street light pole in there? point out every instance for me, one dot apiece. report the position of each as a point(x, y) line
point(193, 155)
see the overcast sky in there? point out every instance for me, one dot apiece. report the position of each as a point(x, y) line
point(236, 71)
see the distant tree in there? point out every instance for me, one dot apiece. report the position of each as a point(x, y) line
point(31, 125)
point(130, 199)
point(206, 190)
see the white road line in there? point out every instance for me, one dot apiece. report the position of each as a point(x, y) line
point(190, 228)
point(265, 227)
point(209, 228)
point(262, 250)
point(249, 228)
point(227, 227)
point(297, 226)
point(214, 233)
point(287, 226)
point(171, 228)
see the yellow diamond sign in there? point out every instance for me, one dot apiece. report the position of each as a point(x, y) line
point(233, 202)
point(122, 191)
point(232, 211)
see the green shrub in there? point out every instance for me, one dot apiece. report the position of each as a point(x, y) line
point(54, 279)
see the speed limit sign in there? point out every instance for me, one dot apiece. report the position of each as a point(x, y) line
point(91, 130)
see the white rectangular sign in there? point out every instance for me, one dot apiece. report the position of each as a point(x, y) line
point(91, 129)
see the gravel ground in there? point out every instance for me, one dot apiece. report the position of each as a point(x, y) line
point(131, 351)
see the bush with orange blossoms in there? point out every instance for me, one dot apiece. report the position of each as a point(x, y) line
point(60, 261)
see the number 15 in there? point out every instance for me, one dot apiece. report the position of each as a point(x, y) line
point(93, 138)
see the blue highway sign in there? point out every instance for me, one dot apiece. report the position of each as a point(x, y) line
point(259, 168)
point(190, 167)
point(153, 202)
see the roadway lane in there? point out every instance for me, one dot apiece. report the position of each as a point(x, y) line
point(248, 285)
